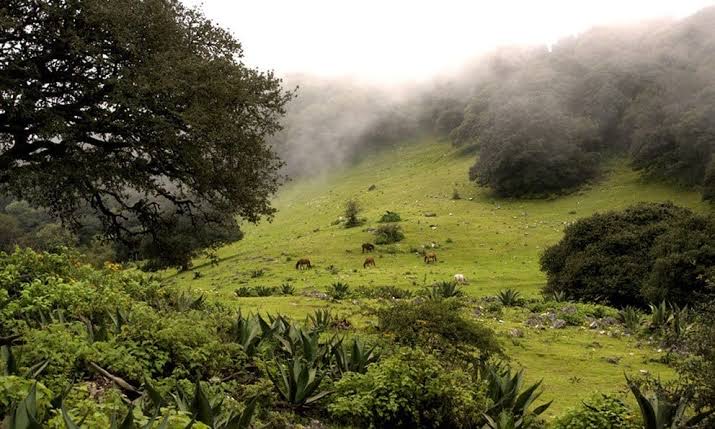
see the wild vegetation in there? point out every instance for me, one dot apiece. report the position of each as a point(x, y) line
point(390, 293)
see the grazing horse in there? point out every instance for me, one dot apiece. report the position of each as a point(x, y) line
point(303, 264)
point(460, 279)
point(369, 262)
point(368, 247)
point(430, 257)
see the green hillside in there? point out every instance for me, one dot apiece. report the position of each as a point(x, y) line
point(495, 243)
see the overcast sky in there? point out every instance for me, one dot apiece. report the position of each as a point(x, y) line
point(410, 40)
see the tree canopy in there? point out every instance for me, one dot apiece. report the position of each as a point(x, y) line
point(141, 110)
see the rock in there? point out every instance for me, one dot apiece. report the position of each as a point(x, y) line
point(593, 325)
point(569, 309)
point(559, 324)
point(613, 359)
point(609, 321)
point(517, 333)
point(372, 188)
point(430, 214)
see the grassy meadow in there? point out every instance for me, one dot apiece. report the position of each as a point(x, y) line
point(494, 242)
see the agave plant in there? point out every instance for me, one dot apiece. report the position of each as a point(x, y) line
point(265, 290)
point(10, 364)
point(338, 291)
point(202, 410)
point(504, 420)
point(287, 289)
point(185, 302)
point(24, 415)
point(631, 318)
point(680, 320)
point(505, 391)
point(297, 382)
point(509, 297)
point(659, 315)
point(321, 319)
point(441, 290)
point(356, 359)
point(295, 342)
point(662, 411)
point(556, 296)
point(247, 333)
point(119, 319)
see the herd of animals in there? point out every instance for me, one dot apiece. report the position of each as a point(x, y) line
point(429, 258)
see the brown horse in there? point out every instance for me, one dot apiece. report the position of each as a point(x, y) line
point(369, 262)
point(430, 257)
point(368, 247)
point(303, 264)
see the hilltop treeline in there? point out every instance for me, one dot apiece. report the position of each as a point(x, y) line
point(544, 119)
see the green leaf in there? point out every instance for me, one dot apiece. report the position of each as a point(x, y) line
point(200, 406)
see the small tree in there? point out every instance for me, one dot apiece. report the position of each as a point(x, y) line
point(352, 209)
point(388, 233)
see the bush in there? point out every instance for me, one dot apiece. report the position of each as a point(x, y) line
point(389, 233)
point(603, 411)
point(409, 389)
point(352, 209)
point(438, 325)
point(390, 217)
point(698, 370)
point(646, 253)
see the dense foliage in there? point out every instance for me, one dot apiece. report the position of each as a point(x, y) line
point(410, 389)
point(139, 110)
point(644, 254)
point(436, 324)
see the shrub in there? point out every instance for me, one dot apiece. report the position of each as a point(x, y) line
point(352, 209)
point(646, 253)
point(603, 411)
point(698, 370)
point(388, 233)
point(390, 217)
point(409, 389)
point(437, 325)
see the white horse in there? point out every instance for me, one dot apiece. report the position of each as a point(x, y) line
point(460, 279)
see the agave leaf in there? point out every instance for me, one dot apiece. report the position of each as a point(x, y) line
point(317, 397)
point(69, 423)
point(526, 398)
point(541, 408)
point(153, 394)
point(647, 412)
point(200, 406)
point(243, 421)
point(9, 359)
point(35, 370)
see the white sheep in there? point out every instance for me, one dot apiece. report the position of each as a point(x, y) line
point(460, 279)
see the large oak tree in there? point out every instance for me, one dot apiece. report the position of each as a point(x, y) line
point(139, 109)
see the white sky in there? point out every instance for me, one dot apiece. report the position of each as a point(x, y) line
point(403, 40)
